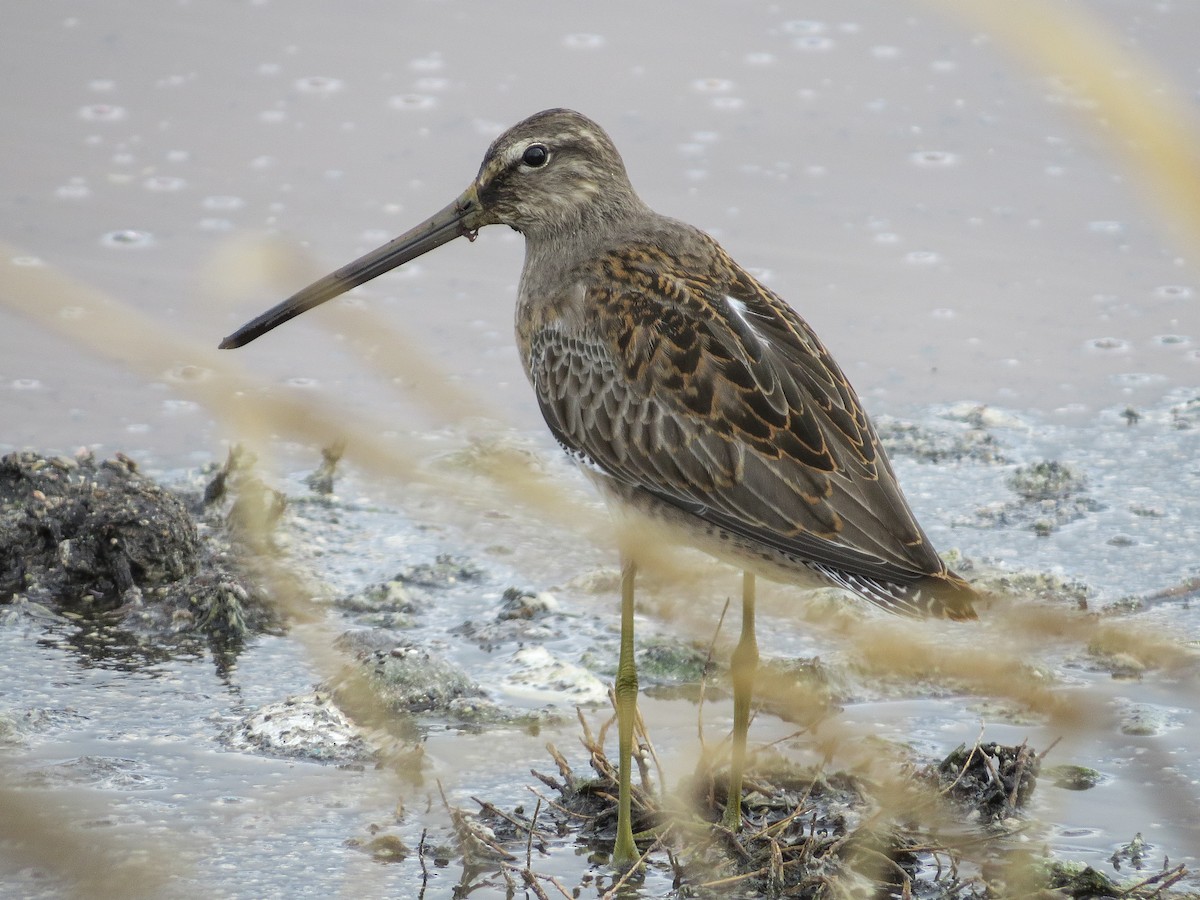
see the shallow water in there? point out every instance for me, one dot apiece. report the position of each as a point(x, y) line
point(952, 223)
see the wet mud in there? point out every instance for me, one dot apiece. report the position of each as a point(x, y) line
point(98, 548)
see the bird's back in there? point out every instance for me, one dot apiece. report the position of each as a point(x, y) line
point(669, 371)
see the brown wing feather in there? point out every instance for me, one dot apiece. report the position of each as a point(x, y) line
point(715, 397)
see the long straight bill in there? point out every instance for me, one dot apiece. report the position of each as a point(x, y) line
point(460, 219)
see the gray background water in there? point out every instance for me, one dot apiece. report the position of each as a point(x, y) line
point(956, 225)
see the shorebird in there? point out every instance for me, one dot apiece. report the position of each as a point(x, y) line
point(686, 389)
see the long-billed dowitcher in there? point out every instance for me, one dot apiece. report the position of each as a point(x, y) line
point(685, 388)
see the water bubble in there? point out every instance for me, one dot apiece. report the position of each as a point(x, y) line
point(186, 373)
point(583, 41)
point(262, 162)
point(1108, 343)
point(943, 66)
point(138, 428)
point(804, 26)
point(319, 84)
point(25, 384)
point(127, 238)
point(922, 258)
point(215, 225)
point(885, 51)
point(28, 262)
point(727, 103)
point(934, 159)
point(303, 381)
point(1137, 379)
point(102, 112)
point(706, 137)
point(433, 84)
point(943, 313)
point(270, 69)
point(1106, 227)
point(813, 42)
point(887, 237)
point(101, 84)
point(272, 116)
point(179, 407)
point(431, 63)
point(691, 149)
point(1173, 340)
point(164, 183)
point(412, 101)
point(75, 189)
point(71, 313)
point(1173, 291)
point(222, 202)
point(759, 59)
point(178, 156)
point(713, 85)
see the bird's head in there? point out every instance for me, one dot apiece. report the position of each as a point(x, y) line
point(551, 176)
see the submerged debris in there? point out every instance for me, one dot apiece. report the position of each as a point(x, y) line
point(444, 572)
point(256, 509)
point(321, 480)
point(1048, 480)
point(1050, 493)
point(806, 833)
point(969, 441)
point(519, 604)
point(1186, 415)
point(303, 727)
point(1067, 879)
point(408, 678)
point(992, 780)
point(1071, 777)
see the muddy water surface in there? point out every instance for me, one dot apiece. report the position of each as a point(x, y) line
point(959, 228)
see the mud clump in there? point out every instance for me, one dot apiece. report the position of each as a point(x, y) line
point(76, 532)
point(101, 542)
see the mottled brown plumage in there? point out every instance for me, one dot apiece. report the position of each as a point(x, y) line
point(686, 388)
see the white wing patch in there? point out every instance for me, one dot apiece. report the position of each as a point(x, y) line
point(745, 316)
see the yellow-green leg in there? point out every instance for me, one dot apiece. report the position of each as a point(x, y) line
point(741, 670)
point(625, 852)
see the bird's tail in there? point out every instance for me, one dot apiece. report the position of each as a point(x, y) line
point(944, 596)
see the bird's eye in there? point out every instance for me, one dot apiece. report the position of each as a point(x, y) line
point(536, 156)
